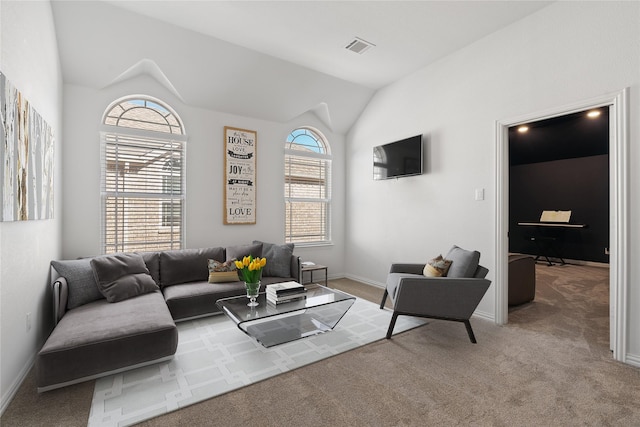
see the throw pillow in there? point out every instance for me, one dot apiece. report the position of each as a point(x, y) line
point(241, 251)
point(82, 286)
point(223, 276)
point(122, 276)
point(221, 266)
point(278, 259)
point(437, 267)
point(221, 272)
point(463, 263)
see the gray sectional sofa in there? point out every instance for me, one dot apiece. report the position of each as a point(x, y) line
point(117, 312)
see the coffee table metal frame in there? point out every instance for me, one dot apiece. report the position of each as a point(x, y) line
point(271, 324)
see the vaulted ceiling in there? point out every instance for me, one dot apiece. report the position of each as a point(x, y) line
point(273, 60)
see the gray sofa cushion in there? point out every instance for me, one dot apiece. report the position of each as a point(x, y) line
point(187, 265)
point(82, 285)
point(199, 298)
point(122, 276)
point(100, 337)
point(152, 260)
point(464, 263)
point(241, 251)
point(278, 259)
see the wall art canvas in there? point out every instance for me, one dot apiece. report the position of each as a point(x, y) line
point(27, 146)
point(239, 176)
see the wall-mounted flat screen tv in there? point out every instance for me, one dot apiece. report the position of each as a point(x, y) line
point(398, 159)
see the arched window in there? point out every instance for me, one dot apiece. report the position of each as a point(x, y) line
point(142, 182)
point(307, 187)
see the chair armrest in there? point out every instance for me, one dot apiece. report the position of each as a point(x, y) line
point(446, 297)
point(409, 268)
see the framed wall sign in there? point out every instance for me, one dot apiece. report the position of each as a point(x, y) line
point(239, 176)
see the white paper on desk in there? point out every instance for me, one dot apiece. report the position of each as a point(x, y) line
point(555, 216)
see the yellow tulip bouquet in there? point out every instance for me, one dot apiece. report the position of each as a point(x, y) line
point(251, 268)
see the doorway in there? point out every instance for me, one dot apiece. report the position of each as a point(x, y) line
point(561, 166)
point(618, 208)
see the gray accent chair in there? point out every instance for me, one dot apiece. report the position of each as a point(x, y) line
point(454, 297)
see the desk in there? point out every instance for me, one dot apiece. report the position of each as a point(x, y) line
point(311, 269)
point(544, 243)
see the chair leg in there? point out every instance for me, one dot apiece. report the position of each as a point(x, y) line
point(384, 298)
point(392, 324)
point(470, 331)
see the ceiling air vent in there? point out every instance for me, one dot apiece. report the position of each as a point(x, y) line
point(359, 46)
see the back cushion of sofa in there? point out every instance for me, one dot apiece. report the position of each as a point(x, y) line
point(278, 259)
point(240, 251)
point(152, 259)
point(82, 286)
point(187, 265)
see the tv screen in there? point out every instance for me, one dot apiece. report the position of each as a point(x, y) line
point(398, 159)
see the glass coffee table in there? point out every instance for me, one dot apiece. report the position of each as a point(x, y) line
point(273, 324)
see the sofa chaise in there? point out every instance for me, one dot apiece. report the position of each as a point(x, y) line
point(117, 312)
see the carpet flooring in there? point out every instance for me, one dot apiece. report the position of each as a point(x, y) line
point(551, 365)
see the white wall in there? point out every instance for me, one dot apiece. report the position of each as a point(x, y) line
point(565, 53)
point(84, 108)
point(29, 59)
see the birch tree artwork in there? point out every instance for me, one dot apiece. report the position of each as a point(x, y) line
point(26, 144)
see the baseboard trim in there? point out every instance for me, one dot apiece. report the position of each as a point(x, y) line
point(365, 280)
point(484, 315)
point(22, 375)
point(633, 360)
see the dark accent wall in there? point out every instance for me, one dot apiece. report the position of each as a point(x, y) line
point(580, 185)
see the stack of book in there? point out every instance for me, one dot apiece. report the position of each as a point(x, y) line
point(280, 293)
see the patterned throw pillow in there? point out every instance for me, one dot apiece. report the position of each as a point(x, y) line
point(220, 272)
point(221, 266)
point(437, 267)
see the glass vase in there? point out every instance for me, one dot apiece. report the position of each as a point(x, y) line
point(252, 292)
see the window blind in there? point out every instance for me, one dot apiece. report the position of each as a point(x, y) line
point(142, 192)
point(307, 198)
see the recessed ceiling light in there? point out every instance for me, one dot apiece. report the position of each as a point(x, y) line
point(593, 114)
point(523, 129)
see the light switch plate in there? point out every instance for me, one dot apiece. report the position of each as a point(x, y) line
point(479, 194)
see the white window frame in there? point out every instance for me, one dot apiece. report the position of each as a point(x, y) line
point(113, 135)
point(326, 160)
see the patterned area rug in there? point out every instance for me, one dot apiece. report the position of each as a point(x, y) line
point(215, 357)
